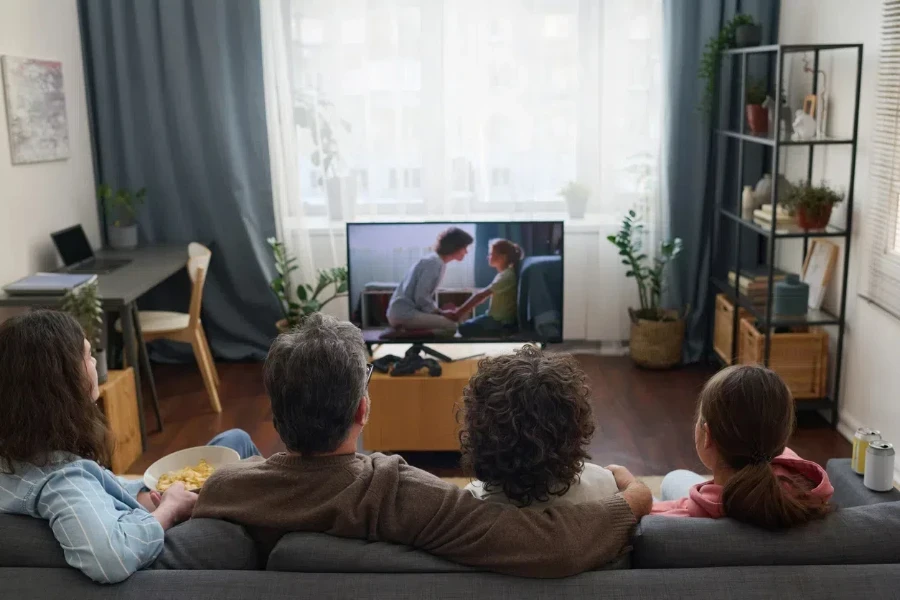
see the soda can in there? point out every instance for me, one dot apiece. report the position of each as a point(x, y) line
point(879, 475)
point(861, 440)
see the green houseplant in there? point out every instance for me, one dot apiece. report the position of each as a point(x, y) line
point(757, 115)
point(83, 303)
point(121, 209)
point(576, 195)
point(712, 53)
point(812, 204)
point(657, 334)
point(297, 303)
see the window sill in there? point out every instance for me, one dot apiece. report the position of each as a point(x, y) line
point(592, 223)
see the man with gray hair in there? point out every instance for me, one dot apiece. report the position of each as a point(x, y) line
point(316, 378)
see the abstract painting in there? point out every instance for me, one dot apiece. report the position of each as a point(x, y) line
point(35, 110)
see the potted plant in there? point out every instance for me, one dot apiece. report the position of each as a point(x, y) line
point(657, 334)
point(83, 303)
point(297, 303)
point(709, 61)
point(121, 208)
point(315, 114)
point(812, 204)
point(747, 33)
point(576, 195)
point(757, 114)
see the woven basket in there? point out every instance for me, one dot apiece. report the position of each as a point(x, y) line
point(657, 344)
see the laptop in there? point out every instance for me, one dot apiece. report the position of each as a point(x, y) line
point(75, 251)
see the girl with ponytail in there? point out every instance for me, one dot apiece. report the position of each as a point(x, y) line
point(501, 316)
point(745, 417)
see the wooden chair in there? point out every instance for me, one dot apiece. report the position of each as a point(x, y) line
point(186, 327)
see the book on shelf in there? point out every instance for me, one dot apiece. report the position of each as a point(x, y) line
point(781, 218)
point(756, 279)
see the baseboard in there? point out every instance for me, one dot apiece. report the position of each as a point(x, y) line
point(847, 426)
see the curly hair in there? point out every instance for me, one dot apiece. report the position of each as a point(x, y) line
point(526, 423)
point(46, 404)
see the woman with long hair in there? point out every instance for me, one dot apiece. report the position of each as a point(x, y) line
point(55, 444)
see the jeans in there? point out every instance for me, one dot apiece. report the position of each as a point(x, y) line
point(483, 326)
point(678, 484)
point(238, 440)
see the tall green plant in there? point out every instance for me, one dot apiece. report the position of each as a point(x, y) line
point(297, 303)
point(122, 206)
point(650, 281)
point(712, 54)
point(83, 303)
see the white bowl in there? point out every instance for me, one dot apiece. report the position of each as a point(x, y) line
point(216, 456)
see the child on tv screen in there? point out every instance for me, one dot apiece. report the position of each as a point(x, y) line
point(505, 257)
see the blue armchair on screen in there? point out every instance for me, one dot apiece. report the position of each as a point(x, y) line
point(540, 296)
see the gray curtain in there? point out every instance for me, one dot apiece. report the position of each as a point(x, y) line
point(691, 150)
point(176, 95)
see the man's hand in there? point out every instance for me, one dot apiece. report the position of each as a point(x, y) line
point(174, 506)
point(635, 493)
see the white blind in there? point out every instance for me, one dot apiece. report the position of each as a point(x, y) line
point(884, 266)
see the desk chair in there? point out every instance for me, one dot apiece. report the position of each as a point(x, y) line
point(186, 327)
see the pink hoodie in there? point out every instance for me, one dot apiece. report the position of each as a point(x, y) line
point(705, 499)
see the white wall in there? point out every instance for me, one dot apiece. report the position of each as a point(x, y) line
point(871, 378)
point(38, 199)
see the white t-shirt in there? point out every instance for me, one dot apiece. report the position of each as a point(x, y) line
point(594, 484)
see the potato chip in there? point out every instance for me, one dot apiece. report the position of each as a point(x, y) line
point(193, 478)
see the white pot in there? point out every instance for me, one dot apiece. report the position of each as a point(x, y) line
point(123, 238)
point(577, 206)
point(341, 193)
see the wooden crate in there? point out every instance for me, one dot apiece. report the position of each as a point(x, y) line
point(722, 328)
point(801, 359)
point(118, 401)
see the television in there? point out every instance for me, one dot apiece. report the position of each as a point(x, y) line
point(456, 282)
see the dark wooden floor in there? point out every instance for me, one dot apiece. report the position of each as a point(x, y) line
point(644, 418)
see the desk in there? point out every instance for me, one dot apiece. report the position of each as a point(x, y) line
point(118, 291)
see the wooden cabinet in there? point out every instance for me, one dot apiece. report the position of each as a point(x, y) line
point(118, 401)
point(417, 412)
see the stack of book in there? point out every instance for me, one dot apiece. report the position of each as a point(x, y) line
point(784, 222)
point(755, 284)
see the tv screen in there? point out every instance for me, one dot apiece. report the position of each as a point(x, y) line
point(456, 282)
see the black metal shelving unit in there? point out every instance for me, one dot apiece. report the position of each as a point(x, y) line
point(773, 144)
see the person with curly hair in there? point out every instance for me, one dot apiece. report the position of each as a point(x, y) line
point(526, 425)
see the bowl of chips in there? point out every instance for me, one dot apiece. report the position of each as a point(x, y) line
point(191, 466)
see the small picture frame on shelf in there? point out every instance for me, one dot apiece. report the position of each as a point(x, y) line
point(809, 105)
point(818, 269)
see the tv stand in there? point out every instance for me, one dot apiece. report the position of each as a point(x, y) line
point(418, 349)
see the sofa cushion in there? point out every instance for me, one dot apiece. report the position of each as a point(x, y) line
point(862, 535)
point(322, 553)
point(849, 490)
point(196, 544)
point(28, 542)
point(208, 544)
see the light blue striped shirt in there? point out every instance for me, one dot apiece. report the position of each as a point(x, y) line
point(94, 515)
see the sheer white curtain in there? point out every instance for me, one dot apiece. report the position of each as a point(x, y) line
point(459, 109)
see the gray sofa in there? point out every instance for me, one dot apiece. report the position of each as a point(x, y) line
point(852, 553)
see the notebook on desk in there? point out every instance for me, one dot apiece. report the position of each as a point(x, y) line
point(47, 284)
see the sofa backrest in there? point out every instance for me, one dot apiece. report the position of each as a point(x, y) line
point(322, 553)
point(861, 535)
point(197, 544)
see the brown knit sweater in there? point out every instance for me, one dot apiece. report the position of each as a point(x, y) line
point(380, 497)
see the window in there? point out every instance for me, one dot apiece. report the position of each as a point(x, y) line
point(465, 105)
point(883, 276)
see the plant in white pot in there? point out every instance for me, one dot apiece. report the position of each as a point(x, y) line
point(318, 116)
point(83, 303)
point(576, 195)
point(121, 210)
point(657, 334)
point(297, 303)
